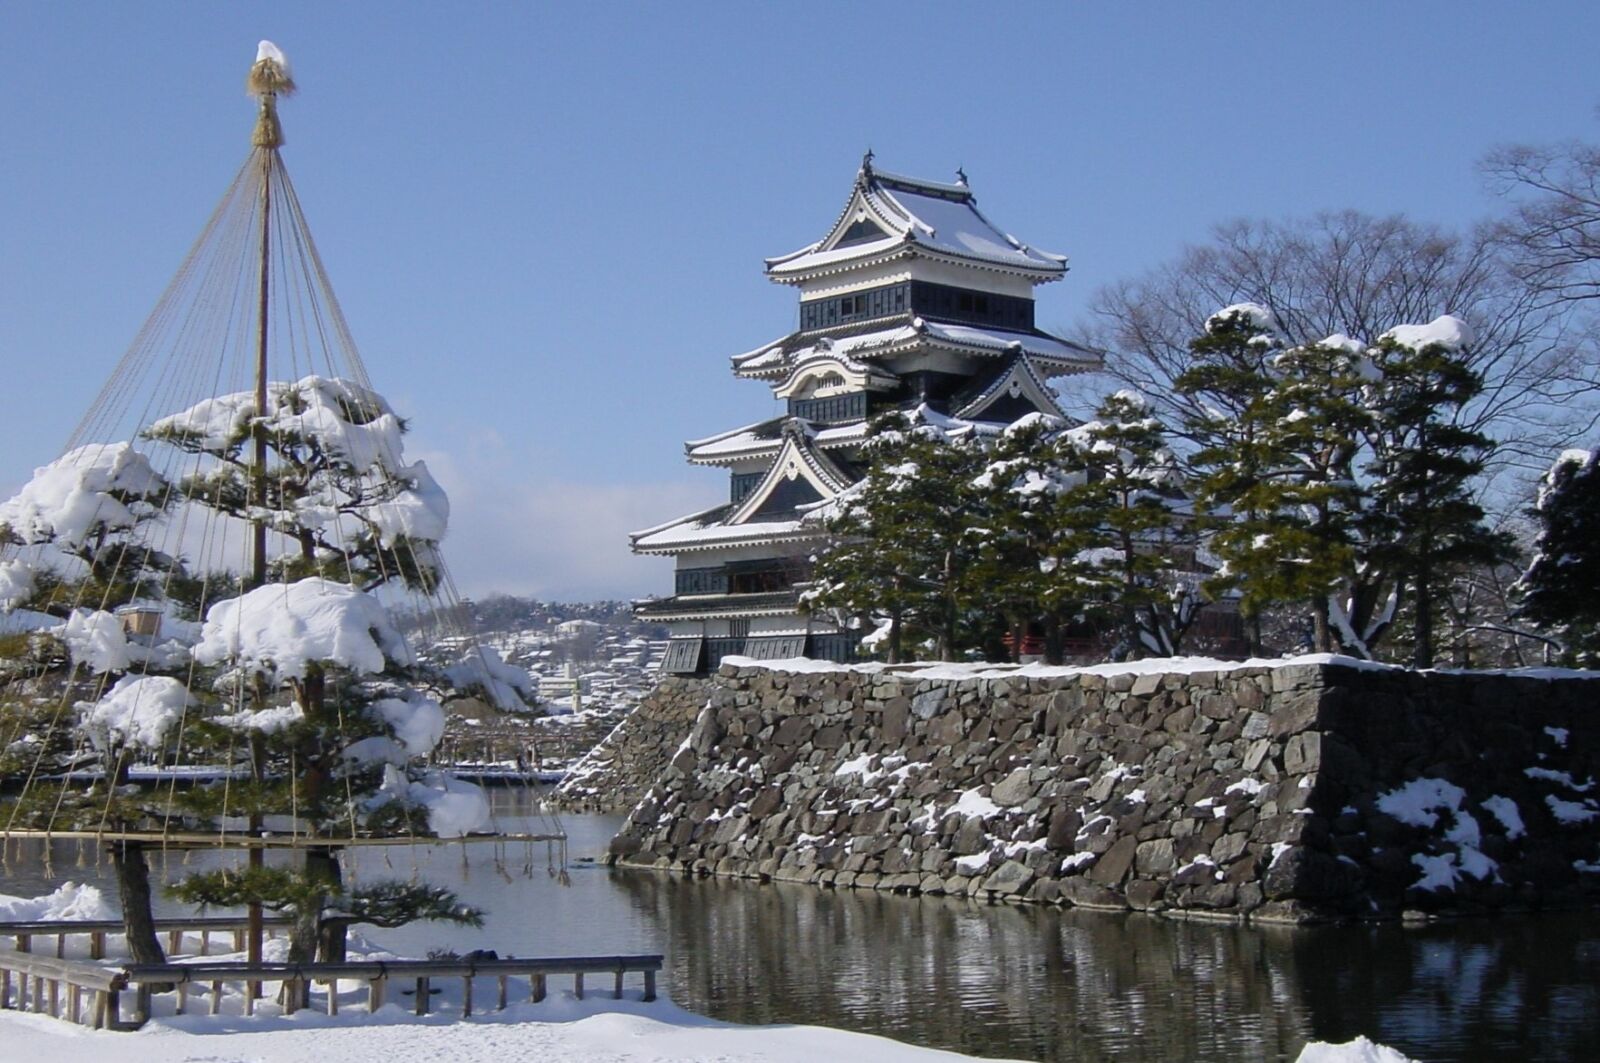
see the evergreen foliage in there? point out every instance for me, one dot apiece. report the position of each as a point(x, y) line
point(1130, 506)
point(1560, 590)
point(899, 548)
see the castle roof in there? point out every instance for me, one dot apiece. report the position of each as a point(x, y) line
point(889, 216)
point(1053, 355)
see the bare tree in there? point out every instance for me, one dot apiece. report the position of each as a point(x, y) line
point(1352, 273)
point(1554, 229)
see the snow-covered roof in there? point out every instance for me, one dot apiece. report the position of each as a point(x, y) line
point(915, 217)
point(704, 531)
point(766, 439)
point(1053, 355)
point(1017, 379)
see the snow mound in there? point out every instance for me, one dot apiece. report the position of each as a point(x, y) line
point(16, 583)
point(454, 807)
point(97, 641)
point(100, 486)
point(418, 722)
point(505, 686)
point(282, 628)
point(1506, 811)
point(1447, 331)
point(421, 510)
point(1419, 801)
point(1253, 314)
point(268, 50)
point(138, 711)
point(352, 424)
point(69, 901)
point(1360, 1050)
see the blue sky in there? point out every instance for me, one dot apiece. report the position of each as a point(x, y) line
point(546, 222)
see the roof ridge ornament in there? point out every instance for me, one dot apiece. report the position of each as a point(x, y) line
point(866, 164)
point(961, 177)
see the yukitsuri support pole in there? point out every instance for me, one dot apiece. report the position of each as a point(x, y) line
point(268, 78)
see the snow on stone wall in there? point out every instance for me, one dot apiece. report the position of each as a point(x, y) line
point(1293, 792)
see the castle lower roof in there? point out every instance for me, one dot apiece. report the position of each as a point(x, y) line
point(1053, 355)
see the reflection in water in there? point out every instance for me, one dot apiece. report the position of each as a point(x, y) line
point(1065, 984)
point(1004, 981)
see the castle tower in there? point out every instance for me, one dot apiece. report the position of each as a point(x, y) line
point(913, 301)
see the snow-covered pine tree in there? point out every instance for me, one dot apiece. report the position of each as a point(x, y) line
point(1423, 522)
point(1237, 476)
point(303, 683)
point(896, 550)
point(1027, 563)
point(1140, 542)
point(1560, 591)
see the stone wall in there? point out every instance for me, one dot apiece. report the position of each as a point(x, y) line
point(614, 775)
point(1306, 790)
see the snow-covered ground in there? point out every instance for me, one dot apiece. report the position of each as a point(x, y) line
point(560, 1028)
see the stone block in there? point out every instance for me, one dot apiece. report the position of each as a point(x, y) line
point(1144, 895)
point(929, 703)
point(1084, 893)
point(1303, 753)
point(1113, 865)
point(1154, 857)
point(1010, 879)
point(1014, 789)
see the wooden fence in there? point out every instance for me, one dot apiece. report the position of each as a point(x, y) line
point(57, 986)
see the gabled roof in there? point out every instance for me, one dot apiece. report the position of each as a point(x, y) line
point(765, 440)
point(754, 520)
point(915, 217)
point(1016, 381)
point(797, 460)
point(1052, 354)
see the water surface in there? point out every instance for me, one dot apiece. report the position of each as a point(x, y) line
point(1024, 982)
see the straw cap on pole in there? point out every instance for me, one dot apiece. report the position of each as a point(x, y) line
point(269, 78)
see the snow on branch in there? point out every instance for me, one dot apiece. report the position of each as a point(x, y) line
point(95, 488)
point(138, 711)
point(1446, 331)
point(282, 628)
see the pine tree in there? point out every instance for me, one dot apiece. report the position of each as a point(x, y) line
point(1027, 564)
point(896, 547)
point(1423, 522)
point(1238, 475)
point(302, 683)
point(1139, 542)
point(1560, 590)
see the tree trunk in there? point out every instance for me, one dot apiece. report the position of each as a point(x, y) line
point(333, 940)
point(1019, 631)
point(133, 889)
point(322, 864)
point(1054, 650)
point(1321, 633)
point(1422, 651)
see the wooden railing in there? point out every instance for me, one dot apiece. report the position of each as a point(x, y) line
point(24, 931)
point(297, 979)
point(38, 982)
point(57, 986)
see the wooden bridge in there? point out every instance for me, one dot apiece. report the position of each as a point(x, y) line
point(89, 992)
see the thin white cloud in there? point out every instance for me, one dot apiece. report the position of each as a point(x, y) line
point(517, 529)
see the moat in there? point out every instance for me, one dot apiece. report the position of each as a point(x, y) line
point(1008, 981)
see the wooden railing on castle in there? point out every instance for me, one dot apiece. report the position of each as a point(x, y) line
point(59, 986)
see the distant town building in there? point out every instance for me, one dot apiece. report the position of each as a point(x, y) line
point(913, 301)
